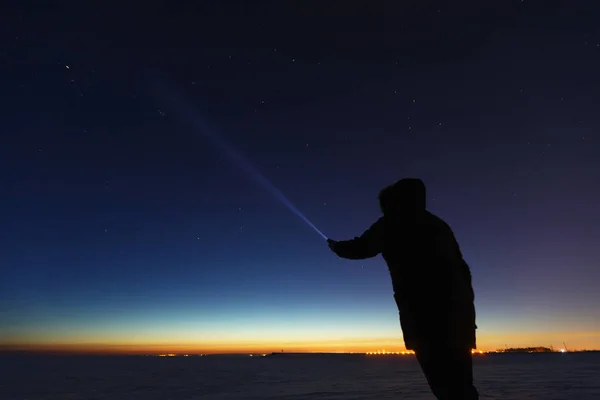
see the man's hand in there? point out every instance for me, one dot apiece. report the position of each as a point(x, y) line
point(331, 243)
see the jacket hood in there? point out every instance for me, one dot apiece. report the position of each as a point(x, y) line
point(407, 196)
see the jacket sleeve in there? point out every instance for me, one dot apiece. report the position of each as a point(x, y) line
point(368, 245)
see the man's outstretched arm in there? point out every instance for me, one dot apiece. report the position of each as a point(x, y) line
point(367, 245)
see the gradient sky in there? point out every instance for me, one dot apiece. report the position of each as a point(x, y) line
point(124, 229)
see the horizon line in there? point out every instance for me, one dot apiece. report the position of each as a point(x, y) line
point(257, 353)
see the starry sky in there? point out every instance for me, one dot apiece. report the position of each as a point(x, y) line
point(125, 228)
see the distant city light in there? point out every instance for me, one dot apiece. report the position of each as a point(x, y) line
point(385, 352)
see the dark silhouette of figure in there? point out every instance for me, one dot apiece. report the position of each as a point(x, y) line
point(432, 286)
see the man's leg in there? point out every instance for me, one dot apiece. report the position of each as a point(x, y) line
point(449, 372)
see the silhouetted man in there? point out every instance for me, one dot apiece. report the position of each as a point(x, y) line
point(432, 286)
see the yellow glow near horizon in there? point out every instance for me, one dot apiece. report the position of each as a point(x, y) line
point(486, 342)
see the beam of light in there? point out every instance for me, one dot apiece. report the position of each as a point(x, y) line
point(186, 110)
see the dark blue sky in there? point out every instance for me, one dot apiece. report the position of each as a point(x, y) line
point(122, 224)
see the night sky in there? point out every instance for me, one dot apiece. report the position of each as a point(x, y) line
point(125, 228)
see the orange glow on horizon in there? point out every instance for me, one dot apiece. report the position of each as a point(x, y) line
point(575, 341)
